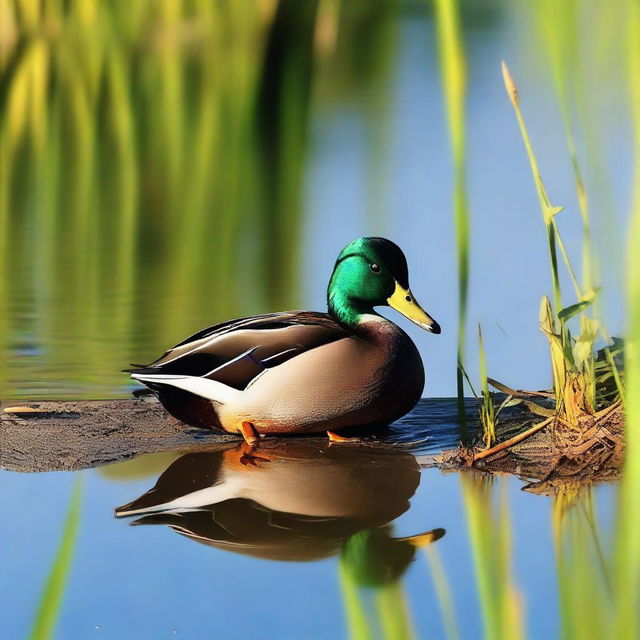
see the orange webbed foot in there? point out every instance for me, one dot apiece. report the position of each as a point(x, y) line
point(334, 437)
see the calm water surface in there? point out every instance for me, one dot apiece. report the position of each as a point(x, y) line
point(225, 549)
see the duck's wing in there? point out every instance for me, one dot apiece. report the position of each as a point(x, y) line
point(235, 353)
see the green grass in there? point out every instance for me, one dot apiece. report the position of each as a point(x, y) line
point(582, 569)
point(627, 555)
point(358, 627)
point(573, 360)
point(443, 593)
point(144, 196)
point(373, 596)
point(487, 410)
point(490, 538)
point(53, 594)
point(453, 71)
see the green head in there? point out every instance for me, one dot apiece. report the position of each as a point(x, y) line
point(372, 272)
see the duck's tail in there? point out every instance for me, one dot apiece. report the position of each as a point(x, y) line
point(203, 387)
point(183, 404)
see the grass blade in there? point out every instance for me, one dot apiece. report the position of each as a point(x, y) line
point(443, 593)
point(357, 620)
point(453, 70)
point(53, 594)
point(628, 542)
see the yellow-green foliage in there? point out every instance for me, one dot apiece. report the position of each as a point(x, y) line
point(490, 536)
point(627, 585)
point(573, 361)
point(123, 181)
point(487, 411)
point(443, 593)
point(453, 70)
point(53, 593)
point(373, 610)
point(584, 579)
point(357, 616)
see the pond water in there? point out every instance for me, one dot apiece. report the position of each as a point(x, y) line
point(306, 542)
point(160, 176)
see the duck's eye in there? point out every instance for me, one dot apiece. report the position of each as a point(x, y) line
point(375, 268)
point(408, 298)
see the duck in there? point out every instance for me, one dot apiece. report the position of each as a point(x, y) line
point(304, 372)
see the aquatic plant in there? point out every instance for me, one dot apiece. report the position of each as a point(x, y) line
point(580, 376)
point(627, 547)
point(443, 593)
point(490, 537)
point(375, 561)
point(487, 410)
point(583, 571)
point(53, 593)
point(453, 71)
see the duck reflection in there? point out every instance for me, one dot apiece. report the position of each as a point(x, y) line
point(294, 500)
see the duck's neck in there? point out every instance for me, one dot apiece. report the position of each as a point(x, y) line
point(349, 312)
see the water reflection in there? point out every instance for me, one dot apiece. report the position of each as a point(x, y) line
point(294, 501)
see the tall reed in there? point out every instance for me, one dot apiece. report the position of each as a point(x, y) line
point(490, 536)
point(583, 570)
point(627, 555)
point(573, 360)
point(53, 593)
point(453, 71)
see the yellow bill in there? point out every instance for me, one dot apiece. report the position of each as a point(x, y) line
point(424, 539)
point(402, 300)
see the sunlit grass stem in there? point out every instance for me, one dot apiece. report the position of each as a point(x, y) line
point(443, 593)
point(393, 612)
point(453, 70)
point(558, 22)
point(628, 538)
point(489, 533)
point(548, 210)
point(53, 594)
point(355, 611)
point(487, 411)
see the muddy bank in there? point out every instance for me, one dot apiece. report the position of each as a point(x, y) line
point(70, 436)
point(78, 435)
point(58, 436)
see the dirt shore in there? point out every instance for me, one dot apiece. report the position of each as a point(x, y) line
point(68, 436)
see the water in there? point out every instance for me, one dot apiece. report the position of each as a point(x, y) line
point(153, 190)
point(276, 545)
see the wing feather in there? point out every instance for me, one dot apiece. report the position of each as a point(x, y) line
point(235, 353)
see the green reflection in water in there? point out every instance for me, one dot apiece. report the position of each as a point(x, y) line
point(153, 169)
point(490, 539)
point(151, 180)
point(584, 580)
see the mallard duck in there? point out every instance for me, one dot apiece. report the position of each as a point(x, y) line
point(302, 371)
